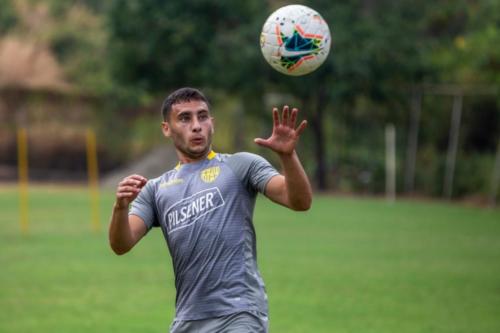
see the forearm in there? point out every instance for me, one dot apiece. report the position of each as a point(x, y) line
point(298, 188)
point(120, 234)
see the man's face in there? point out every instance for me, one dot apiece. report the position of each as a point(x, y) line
point(191, 127)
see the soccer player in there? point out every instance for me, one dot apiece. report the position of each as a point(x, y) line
point(204, 207)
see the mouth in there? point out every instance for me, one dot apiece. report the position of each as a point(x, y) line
point(197, 140)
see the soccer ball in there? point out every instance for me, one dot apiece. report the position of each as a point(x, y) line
point(295, 40)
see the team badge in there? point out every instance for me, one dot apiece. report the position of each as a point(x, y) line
point(210, 174)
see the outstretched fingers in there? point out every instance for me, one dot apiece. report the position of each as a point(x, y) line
point(276, 118)
point(286, 113)
point(293, 117)
point(261, 142)
point(301, 127)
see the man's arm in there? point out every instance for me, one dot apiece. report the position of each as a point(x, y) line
point(292, 189)
point(124, 230)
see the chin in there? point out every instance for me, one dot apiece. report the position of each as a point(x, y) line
point(198, 152)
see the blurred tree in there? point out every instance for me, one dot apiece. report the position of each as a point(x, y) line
point(74, 33)
point(59, 8)
point(466, 50)
point(466, 37)
point(79, 39)
point(381, 49)
point(8, 17)
point(158, 45)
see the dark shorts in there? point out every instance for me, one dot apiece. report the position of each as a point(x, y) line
point(240, 322)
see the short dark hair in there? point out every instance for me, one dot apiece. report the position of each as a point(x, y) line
point(185, 94)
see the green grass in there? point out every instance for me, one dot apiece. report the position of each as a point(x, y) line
point(347, 265)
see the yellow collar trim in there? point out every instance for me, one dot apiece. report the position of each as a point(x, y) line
point(210, 156)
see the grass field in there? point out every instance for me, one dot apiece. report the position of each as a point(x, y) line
point(347, 265)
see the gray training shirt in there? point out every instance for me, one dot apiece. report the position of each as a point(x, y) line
point(205, 211)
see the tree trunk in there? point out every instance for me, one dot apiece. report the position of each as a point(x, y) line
point(411, 152)
point(451, 157)
point(319, 103)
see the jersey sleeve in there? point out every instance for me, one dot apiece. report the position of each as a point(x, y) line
point(144, 206)
point(253, 170)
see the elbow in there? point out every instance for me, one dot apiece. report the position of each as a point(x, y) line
point(302, 206)
point(300, 202)
point(119, 250)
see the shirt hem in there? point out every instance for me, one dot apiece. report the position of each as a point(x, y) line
point(254, 311)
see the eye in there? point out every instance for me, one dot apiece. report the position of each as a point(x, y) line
point(203, 116)
point(184, 118)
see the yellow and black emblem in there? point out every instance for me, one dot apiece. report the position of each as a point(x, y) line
point(210, 174)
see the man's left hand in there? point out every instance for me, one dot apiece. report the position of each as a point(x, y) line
point(285, 136)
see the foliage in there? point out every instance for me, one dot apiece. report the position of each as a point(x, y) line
point(74, 33)
point(79, 40)
point(130, 53)
point(8, 17)
point(467, 39)
point(194, 42)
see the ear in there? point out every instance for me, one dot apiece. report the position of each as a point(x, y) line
point(165, 128)
point(213, 124)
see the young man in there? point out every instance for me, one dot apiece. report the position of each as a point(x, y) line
point(204, 207)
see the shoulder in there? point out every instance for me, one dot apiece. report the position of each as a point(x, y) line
point(248, 166)
point(154, 183)
point(242, 161)
point(241, 157)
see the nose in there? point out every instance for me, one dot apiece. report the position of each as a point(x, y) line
point(196, 126)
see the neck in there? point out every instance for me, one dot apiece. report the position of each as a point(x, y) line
point(187, 158)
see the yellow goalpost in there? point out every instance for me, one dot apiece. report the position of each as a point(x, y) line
point(23, 179)
point(93, 177)
point(22, 165)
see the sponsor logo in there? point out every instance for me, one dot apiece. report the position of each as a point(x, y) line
point(210, 174)
point(187, 211)
point(172, 182)
point(289, 53)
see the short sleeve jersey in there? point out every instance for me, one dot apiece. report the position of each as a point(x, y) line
point(205, 211)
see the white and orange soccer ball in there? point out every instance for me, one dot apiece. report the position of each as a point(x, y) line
point(295, 40)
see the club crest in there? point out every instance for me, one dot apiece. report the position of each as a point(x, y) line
point(210, 174)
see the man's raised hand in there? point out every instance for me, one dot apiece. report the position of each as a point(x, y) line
point(128, 189)
point(285, 136)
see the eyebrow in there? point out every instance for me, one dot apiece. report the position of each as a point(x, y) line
point(192, 111)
